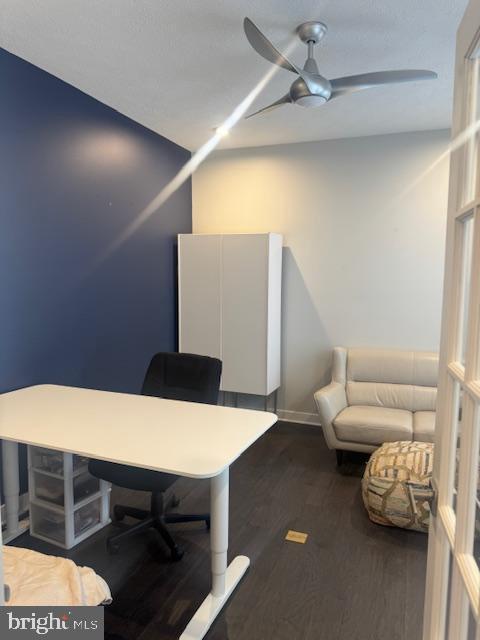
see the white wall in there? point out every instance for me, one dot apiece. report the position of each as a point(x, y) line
point(364, 225)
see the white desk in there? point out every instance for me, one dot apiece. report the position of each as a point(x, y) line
point(183, 438)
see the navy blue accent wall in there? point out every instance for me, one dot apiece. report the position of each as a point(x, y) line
point(73, 174)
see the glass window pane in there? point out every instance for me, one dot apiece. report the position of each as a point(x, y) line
point(469, 173)
point(465, 279)
point(472, 626)
point(449, 590)
point(476, 533)
point(457, 428)
point(461, 629)
point(475, 138)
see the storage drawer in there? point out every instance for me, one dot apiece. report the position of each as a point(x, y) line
point(87, 517)
point(47, 460)
point(84, 485)
point(48, 523)
point(79, 462)
point(48, 488)
point(52, 461)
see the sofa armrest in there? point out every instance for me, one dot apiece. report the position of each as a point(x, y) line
point(330, 401)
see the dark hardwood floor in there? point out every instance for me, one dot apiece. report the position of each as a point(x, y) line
point(352, 580)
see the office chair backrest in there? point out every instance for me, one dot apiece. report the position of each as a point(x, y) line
point(183, 376)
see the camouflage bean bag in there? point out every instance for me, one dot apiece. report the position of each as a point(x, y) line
point(396, 485)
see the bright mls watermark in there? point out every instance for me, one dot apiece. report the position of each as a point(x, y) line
point(60, 622)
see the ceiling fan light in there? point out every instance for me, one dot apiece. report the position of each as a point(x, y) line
point(222, 131)
point(310, 101)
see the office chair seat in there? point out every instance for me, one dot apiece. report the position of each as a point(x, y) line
point(175, 376)
point(132, 477)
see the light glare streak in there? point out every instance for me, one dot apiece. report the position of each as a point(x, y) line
point(191, 166)
point(462, 138)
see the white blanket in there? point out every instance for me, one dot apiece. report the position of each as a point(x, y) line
point(37, 579)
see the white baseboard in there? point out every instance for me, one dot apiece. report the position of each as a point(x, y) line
point(301, 417)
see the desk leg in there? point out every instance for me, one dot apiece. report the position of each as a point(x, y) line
point(224, 578)
point(2, 583)
point(11, 486)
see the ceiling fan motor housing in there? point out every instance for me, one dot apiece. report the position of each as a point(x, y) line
point(313, 97)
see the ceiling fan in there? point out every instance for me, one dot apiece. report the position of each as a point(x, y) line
point(311, 89)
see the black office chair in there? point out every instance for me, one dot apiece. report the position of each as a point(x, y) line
point(175, 376)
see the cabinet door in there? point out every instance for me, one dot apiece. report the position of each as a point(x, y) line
point(199, 294)
point(274, 322)
point(244, 313)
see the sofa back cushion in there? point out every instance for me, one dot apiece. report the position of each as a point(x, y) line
point(392, 378)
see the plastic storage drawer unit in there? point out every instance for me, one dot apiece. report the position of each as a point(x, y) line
point(67, 503)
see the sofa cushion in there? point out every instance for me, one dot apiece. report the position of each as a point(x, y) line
point(390, 378)
point(418, 368)
point(373, 425)
point(424, 426)
point(396, 396)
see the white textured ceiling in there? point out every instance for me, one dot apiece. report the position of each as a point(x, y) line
point(180, 66)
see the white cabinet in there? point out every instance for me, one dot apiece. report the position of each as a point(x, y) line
point(230, 306)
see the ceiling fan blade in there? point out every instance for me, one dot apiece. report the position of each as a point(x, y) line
point(265, 48)
point(348, 84)
point(285, 100)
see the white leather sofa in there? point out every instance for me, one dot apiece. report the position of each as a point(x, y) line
point(377, 396)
